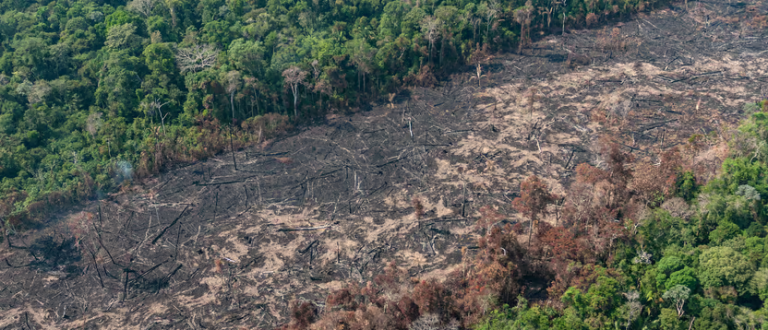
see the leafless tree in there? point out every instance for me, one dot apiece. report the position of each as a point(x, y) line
point(633, 306)
point(432, 322)
point(549, 15)
point(478, 72)
point(479, 55)
point(430, 26)
point(156, 105)
point(642, 258)
point(293, 78)
point(143, 7)
point(196, 58)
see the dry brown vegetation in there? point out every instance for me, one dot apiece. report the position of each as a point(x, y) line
point(400, 197)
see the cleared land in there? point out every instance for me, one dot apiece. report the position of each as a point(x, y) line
point(334, 203)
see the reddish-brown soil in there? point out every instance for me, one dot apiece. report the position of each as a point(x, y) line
point(208, 246)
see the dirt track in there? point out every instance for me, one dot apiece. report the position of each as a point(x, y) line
point(334, 202)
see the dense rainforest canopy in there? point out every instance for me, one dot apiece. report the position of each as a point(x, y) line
point(95, 92)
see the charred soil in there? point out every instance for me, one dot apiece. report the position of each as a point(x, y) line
point(208, 245)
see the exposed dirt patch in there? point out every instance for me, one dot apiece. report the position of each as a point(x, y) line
point(210, 246)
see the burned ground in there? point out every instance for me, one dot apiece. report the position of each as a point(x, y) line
point(208, 245)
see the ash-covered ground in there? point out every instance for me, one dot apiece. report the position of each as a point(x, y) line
point(334, 203)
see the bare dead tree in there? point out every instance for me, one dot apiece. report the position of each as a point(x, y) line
point(549, 15)
point(143, 7)
point(430, 26)
point(155, 104)
point(478, 73)
point(633, 305)
point(479, 55)
point(196, 58)
point(293, 78)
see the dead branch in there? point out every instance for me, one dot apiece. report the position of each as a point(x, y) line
point(698, 75)
point(169, 226)
point(304, 250)
point(149, 271)
point(308, 228)
point(656, 125)
point(226, 182)
point(196, 58)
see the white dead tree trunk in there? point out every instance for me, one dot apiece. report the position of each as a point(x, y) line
point(430, 26)
point(294, 77)
point(153, 106)
point(196, 58)
point(159, 106)
point(478, 73)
